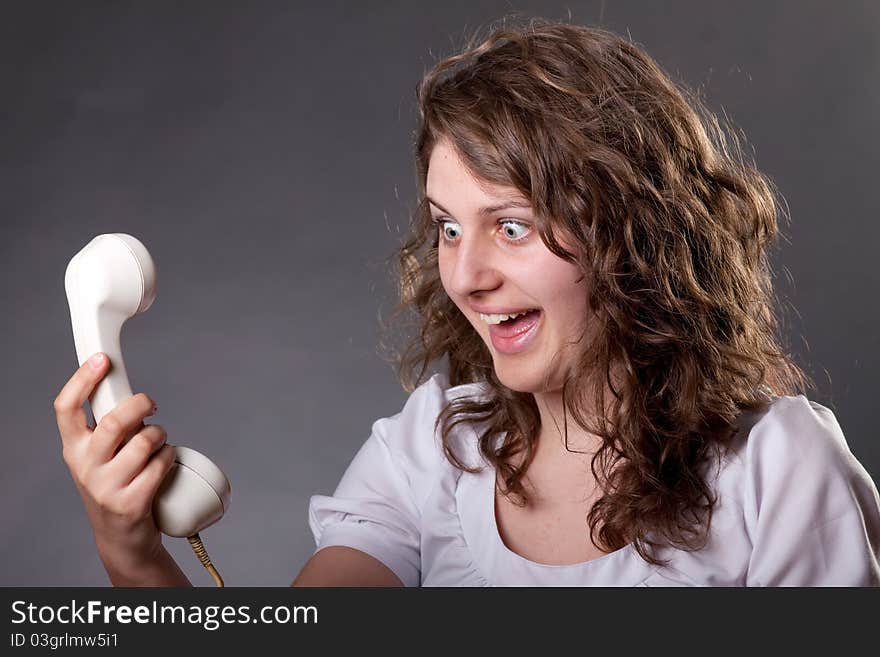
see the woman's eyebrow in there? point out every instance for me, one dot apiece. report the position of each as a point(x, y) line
point(489, 209)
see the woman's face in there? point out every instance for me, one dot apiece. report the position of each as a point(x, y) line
point(492, 261)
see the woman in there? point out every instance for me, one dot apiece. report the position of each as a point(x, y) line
point(591, 261)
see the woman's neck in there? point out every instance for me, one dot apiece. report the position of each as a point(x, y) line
point(560, 435)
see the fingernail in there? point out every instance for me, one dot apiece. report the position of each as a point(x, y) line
point(96, 361)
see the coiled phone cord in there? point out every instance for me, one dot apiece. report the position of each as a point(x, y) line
point(196, 542)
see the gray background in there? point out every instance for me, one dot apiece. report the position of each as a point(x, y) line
point(262, 152)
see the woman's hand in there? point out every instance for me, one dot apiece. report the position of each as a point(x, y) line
point(117, 468)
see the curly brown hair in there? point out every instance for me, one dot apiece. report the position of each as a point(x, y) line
point(672, 230)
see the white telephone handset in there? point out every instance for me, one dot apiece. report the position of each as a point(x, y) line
point(110, 280)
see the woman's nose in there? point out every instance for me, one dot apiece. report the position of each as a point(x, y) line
point(473, 268)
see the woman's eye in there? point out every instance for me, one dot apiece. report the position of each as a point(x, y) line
point(514, 230)
point(451, 230)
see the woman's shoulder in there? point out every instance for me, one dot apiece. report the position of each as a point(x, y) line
point(792, 432)
point(795, 506)
point(803, 493)
point(429, 398)
point(413, 434)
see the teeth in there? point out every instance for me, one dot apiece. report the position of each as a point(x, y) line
point(497, 319)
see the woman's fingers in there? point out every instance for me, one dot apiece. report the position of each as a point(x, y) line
point(125, 420)
point(69, 413)
point(145, 484)
point(136, 453)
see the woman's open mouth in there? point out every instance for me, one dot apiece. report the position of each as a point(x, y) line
point(514, 335)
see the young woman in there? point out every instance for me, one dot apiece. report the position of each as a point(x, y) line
point(589, 258)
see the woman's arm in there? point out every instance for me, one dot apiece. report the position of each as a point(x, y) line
point(161, 570)
point(344, 566)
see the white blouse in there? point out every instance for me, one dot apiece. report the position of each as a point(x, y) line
point(795, 508)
